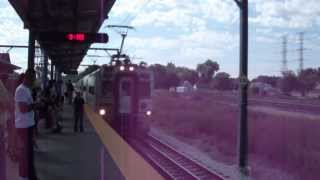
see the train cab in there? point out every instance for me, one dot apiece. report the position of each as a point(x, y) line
point(121, 93)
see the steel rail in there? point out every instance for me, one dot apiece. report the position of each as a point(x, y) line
point(172, 163)
point(197, 170)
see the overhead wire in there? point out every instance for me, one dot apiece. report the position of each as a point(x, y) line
point(128, 20)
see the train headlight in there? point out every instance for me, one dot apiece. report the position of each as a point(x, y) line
point(149, 113)
point(122, 68)
point(102, 112)
point(131, 68)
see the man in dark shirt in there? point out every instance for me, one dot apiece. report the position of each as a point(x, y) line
point(70, 89)
point(78, 112)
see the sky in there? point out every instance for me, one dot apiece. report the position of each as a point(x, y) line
point(188, 32)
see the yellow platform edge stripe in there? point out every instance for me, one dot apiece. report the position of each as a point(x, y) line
point(130, 163)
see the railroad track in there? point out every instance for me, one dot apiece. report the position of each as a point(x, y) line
point(171, 163)
point(303, 108)
point(309, 108)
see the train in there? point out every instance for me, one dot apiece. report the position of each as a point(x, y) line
point(121, 93)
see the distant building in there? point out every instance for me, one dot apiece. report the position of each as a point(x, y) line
point(181, 89)
point(185, 87)
point(262, 89)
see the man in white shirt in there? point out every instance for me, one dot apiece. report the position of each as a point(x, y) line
point(24, 122)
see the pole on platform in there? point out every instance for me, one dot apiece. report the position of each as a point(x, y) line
point(58, 79)
point(31, 48)
point(45, 70)
point(52, 71)
point(243, 76)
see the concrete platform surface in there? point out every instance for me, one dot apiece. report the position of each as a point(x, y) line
point(71, 156)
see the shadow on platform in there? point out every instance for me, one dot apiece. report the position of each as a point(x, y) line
point(68, 155)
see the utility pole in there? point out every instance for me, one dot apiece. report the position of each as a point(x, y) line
point(301, 51)
point(284, 54)
point(31, 48)
point(244, 82)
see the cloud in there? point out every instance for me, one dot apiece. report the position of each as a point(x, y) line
point(286, 14)
point(221, 11)
point(11, 27)
point(12, 32)
point(174, 18)
point(185, 50)
point(182, 13)
point(265, 39)
point(122, 7)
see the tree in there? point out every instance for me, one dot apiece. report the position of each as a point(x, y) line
point(289, 82)
point(186, 74)
point(307, 80)
point(235, 83)
point(318, 74)
point(171, 67)
point(167, 76)
point(143, 63)
point(160, 75)
point(172, 80)
point(222, 81)
point(207, 69)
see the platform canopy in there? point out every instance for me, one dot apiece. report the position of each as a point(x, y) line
point(41, 16)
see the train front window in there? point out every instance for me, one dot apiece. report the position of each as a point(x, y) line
point(144, 90)
point(106, 87)
point(126, 88)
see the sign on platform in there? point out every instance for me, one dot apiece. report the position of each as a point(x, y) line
point(77, 37)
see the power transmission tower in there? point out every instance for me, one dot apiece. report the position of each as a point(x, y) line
point(284, 54)
point(301, 51)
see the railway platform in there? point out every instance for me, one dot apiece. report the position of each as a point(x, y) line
point(92, 154)
point(69, 155)
point(99, 153)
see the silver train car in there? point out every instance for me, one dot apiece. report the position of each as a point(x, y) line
point(121, 93)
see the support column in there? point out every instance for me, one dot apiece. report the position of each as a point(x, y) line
point(59, 83)
point(243, 123)
point(52, 71)
point(45, 70)
point(31, 48)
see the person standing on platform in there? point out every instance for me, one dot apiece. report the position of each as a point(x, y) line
point(78, 104)
point(70, 90)
point(24, 122)
point(46, 111)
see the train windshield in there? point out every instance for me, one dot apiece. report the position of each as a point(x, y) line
point(126, 88)
point(106, 88)
point(144, 90)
